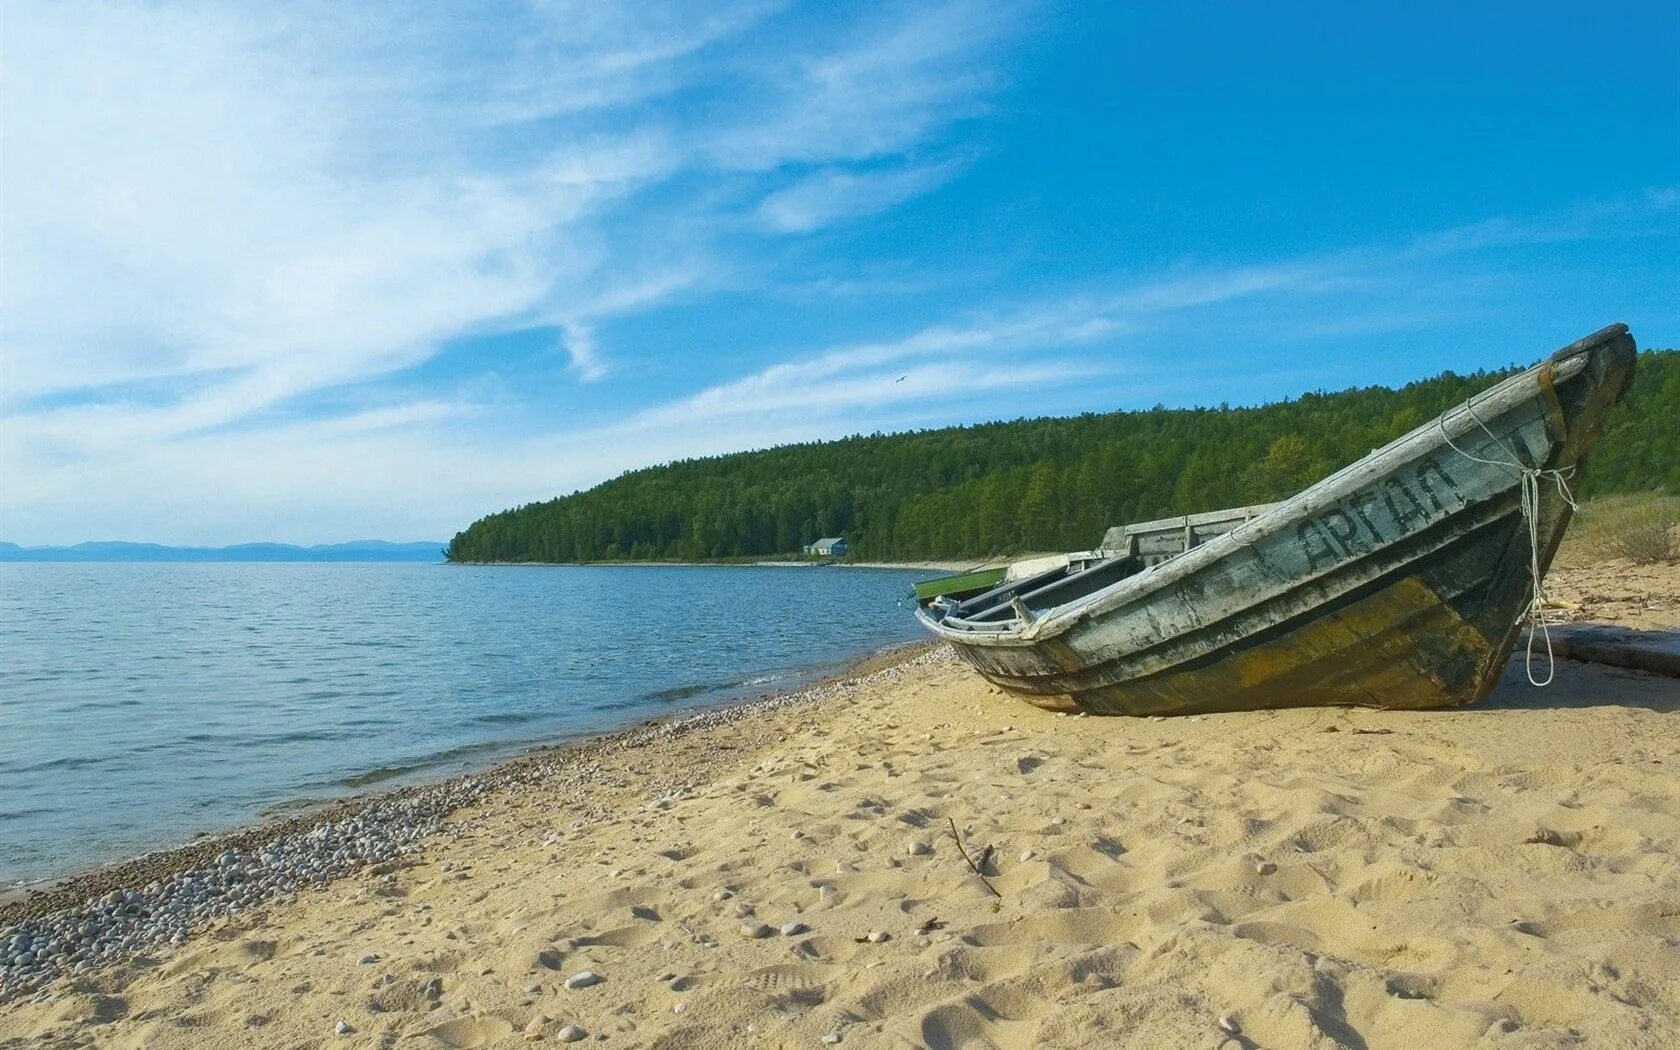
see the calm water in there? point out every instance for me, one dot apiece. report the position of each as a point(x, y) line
point(142, 703)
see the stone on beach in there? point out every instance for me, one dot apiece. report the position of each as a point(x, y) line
point(756, 930)
point(583, 979)
point(571, 1034)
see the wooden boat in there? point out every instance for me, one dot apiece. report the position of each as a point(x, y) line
point(1399, 581)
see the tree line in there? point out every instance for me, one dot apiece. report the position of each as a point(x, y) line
point(1030, 484)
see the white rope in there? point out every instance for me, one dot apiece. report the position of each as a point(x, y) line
point(1528, 500)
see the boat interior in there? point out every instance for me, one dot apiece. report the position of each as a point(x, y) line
point(1126, 551)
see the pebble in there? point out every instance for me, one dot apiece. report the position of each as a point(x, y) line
point(793, 929)
point(831, 1038)
point(571, 1034)
point(343, 1028)
point(879, 936)
point(1229, 1023)
point(679, 1008)
point(367, 960)
point(756, 930)
point(583, 979)
point(919, 848)
point(1265, 867)
point(1027, 855)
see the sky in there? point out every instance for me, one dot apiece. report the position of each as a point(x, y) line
point(314, 272)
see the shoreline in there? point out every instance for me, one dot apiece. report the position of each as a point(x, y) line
point(917, 566)
point(424, 806)
point(362, 788)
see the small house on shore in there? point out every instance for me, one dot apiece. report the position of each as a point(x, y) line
point(828, 547)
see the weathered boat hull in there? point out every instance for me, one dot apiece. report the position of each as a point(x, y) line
point(1397, 582)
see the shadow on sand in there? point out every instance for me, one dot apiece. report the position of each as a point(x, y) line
point(1578, 684)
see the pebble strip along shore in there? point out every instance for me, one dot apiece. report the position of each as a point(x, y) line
point(92, 920)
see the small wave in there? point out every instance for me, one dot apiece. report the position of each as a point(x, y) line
point(68, 762)
point(681, 692)
point(440, 758)
point(301, 736)
point(374, 776)
point(508, 718)
point(693, 689)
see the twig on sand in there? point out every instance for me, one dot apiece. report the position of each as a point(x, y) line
point(975, 867)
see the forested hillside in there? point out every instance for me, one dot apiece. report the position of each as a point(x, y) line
point(1031, 484)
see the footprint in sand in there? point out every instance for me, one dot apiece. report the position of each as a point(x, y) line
point(468, 1032)
point(995, 1015)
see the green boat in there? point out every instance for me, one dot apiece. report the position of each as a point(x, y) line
point(961, 585)
point(979, 581)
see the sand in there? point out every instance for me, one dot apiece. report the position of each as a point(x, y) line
point(1501, 875)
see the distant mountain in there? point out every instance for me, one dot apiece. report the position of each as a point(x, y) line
point(117, 550)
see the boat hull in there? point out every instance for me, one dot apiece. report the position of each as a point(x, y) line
point(1398, 582)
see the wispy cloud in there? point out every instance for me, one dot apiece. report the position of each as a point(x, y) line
point(832, 196)
point(263, 189)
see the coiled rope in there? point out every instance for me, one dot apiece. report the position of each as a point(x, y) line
point(1528, 500)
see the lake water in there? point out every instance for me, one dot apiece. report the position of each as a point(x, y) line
point(140, 704)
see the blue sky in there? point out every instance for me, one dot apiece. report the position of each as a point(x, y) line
point(328, 271)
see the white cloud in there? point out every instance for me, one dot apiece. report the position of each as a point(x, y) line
point(227, 209)
point(827, 197)
point(898, 81)
point(261, 188)
point(579, 341)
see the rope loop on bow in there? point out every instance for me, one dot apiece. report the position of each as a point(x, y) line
point(1528, 501)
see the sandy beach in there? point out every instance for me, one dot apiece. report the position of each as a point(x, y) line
point(1500, 875)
